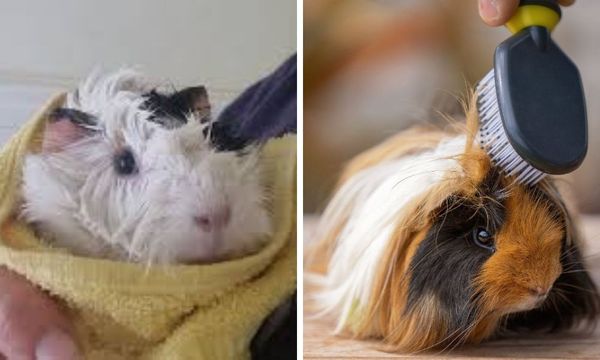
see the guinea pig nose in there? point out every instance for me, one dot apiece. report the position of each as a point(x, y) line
point(215, 219)
point(539, 291)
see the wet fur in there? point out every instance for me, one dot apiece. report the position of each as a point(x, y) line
point(77, 200)
point(398, 264)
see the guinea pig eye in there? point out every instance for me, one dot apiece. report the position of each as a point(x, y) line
point(124, 162)
point(483, 238)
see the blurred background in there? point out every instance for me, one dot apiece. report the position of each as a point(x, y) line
point(226, 45)
point(373, 68)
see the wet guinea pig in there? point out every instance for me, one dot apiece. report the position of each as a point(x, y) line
point(129, 173)
point(426, 245)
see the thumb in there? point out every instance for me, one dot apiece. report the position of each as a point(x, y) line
point(497, 12)
point(32, 326)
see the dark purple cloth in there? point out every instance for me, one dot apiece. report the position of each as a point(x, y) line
point(265, 110)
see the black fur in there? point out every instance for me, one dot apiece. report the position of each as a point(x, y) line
point(226, 136)
point(75, 116)
point(448, 259)
point(171, 110)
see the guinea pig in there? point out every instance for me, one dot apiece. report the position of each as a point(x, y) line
point(128, 173)
point(427, 245)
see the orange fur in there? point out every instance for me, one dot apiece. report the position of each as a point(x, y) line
point(527, 256)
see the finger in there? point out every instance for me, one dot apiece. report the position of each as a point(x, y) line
point(497, 12)
point(31, 324)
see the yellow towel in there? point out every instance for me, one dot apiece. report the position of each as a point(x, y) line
point(128, 311)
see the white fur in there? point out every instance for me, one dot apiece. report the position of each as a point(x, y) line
point(372, 199)
point(77, 199)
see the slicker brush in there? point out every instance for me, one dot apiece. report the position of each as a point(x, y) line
point(531, 104)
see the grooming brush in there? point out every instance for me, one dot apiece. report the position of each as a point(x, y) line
point(531, 104)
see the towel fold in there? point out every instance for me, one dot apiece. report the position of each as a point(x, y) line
point(131, 311)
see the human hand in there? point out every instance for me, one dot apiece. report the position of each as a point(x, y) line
point(497, 12)
point(32, 325)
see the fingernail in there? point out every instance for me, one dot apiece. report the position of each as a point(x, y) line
point(488, 9)
point(56, 345)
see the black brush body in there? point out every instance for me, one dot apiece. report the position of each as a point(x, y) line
point(541, 101)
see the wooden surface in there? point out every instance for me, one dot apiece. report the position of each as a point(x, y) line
point(319, 343)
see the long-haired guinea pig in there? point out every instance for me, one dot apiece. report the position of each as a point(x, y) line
point(129, 173)
point(425, 244)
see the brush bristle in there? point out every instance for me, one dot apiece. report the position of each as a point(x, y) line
point(493, 139)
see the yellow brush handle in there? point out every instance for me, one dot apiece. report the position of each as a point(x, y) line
point(533, 15)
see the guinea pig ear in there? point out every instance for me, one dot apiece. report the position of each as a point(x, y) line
point(194, 100)
point(66, 126)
